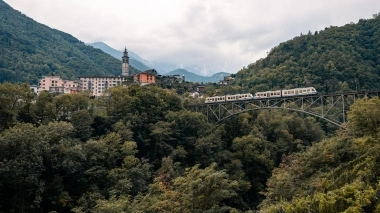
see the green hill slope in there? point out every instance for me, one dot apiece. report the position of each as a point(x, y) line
point(332, 60)
point(30, 50)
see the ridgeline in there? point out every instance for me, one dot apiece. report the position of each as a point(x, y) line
point(332, 60)
point(30, 50)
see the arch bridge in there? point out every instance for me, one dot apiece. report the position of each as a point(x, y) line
point(330, 107)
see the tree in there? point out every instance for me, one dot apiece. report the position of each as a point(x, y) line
point(198, 190)
point(82, 121)
point(25, 155)
point(13, 99)
point(364, 117)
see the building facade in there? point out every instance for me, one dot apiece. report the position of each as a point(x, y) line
point(54, 84)
point(98, 84)
point(146, 77)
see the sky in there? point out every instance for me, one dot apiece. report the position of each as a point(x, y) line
point(206, 36)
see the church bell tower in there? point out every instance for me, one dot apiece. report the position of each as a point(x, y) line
point(125, 65)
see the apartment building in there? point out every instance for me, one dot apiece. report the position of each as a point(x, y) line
point(55, 84)
point(98, 84)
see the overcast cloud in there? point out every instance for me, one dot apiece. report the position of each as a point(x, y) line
point(212, 35)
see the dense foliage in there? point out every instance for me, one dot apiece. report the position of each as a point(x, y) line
point(339, 174)
point(332, 60)
point(136, 149)
point(30, 50)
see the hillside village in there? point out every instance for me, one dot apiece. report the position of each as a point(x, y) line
point(98, 84)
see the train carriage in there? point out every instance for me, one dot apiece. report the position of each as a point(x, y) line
point(263, 95)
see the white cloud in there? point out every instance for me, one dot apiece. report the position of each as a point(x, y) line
point(210, 36)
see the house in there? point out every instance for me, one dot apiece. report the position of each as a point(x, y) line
point(226, 80)
point(54, 84)
point(35, 89)
point(72, 87)
point(146, 77)
point(201, 88)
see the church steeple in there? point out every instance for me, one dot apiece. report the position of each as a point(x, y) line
point(125, 56)
point(125, 65)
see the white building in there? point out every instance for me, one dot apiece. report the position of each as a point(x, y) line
point(35, 89)
point(98, 84)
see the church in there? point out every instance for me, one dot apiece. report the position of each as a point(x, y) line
point(97, 84)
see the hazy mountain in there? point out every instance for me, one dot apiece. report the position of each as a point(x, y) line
point(30, 50)
point(134, 59)
point(162, 68)
point(191, 77)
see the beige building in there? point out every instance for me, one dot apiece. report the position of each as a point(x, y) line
point(72, 87)
point(55, 84)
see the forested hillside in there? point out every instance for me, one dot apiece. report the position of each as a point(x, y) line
point(136, 150)
point(332, 60)
point(139, 150)
point(338, 174)
point(30, 50)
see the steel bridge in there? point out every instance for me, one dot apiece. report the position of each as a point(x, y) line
point(330, 107)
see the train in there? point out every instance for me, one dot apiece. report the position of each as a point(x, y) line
point(263, 95)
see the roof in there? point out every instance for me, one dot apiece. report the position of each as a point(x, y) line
point(151, 71)
point(93, 76)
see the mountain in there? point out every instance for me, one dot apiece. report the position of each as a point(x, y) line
point(332, 60)
point(162, 68)
point(134, 59)
point(191, 77)
point(30, 50)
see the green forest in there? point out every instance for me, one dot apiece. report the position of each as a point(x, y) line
point(139, 150)
point(30, 50)
point(336, 59)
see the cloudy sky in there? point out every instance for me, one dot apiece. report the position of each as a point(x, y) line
point(208, 35)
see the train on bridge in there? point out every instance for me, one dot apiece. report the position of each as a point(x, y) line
point(263, 95)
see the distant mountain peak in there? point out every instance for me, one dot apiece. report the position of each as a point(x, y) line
point(192, 77)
